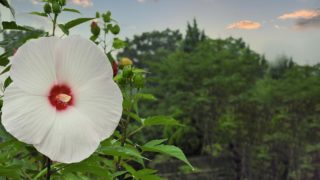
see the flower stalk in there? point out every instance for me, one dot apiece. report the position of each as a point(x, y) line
point(48, 167)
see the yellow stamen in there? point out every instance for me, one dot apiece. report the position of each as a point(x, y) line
point(63, 98)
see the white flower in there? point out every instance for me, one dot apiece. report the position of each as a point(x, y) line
point(63, 99)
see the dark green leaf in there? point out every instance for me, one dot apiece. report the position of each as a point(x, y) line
point(64, 29)
point(5, 70)
point(7, 82)
point(39, 14)
point(6, 4)
point(76, 22)
point(12, 25)
point(71, 10)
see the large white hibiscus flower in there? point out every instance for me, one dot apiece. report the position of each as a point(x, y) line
point(63, 99)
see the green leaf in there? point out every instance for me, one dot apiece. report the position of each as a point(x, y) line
point(166, 149)
point(64, 29)
point(39, 14)
point(147, 174)
point(6, 4)
point(7, 82)
point(76, 22)
point(71, 10)
point(5, 70)
point(118, 43)
point(10, 171)
point(118, 173)
point(155, 142)
point(4, 59)
point(161, 120)
point(12, 25)
point(95, 169)
point(143, 96)
point(124, 152)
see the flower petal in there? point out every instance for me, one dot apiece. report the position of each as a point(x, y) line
point(33, 66)
point(27, 117)
point(80, 61)
point(71, 138)
point(101, 100)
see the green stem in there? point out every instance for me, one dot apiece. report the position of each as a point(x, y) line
point(124, 128)
point(48, 169)
point(135, 131)
point(54, 22)
point(44, 171)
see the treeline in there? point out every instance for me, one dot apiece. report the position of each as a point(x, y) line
point(262, 118)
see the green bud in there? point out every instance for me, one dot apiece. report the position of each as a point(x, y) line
point(62, 2)
point(127, 72)
point(95, 29)
point(107, 17)
point(56, 7)
point(121, 81)
point(115, 29)
point(47, 8)
point(97, 14)
point(138, 80)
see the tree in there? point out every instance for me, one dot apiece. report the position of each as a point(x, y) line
point(193, 36)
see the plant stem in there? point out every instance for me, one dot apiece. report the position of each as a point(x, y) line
point(135, 131)
point(54, 22)
point(48, 169)
point(124, 128)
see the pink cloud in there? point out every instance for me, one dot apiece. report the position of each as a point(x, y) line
point(301, 14)
point(245, 24)
point(83, 3)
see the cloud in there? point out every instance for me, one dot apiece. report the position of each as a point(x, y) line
point(83, 3)
point(311, 23)
point(304, 19)
point(245, 24)
point(300, 14)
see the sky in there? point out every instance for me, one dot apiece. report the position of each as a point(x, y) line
point(270, 27)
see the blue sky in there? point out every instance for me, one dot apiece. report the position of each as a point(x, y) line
point(270, 27)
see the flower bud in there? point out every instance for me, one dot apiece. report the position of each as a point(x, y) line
point(138, 80)
point(125, 62)
point(47, 8)
point(127, 72)
point(56, 7)
point(114, 68)
point(95, 29)
point(107, 17)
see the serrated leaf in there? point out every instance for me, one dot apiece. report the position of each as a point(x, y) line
point(161, 120)
point(39, 14)
point(76, 22)
point(168, 150)
point(71, 10)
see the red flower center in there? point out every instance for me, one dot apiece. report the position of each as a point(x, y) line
point(61, 97)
